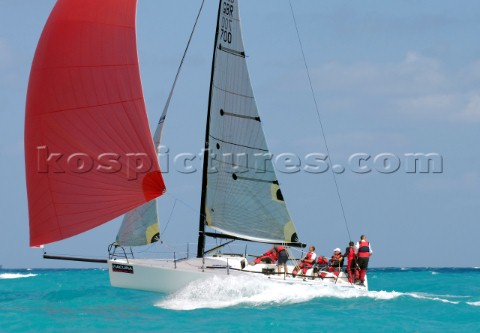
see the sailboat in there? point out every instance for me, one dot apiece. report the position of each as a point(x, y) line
point(90, 156)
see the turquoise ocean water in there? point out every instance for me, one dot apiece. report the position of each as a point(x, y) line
point(400, 300)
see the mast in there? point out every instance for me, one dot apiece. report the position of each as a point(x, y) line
point(201, 226)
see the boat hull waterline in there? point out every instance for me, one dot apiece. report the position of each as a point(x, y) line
point(168, 275)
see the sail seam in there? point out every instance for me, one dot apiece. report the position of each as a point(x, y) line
point(91, 106)
point(246, 167)
point(85, 66)
point(231, 92)
point(237, 144)
point(125, 26)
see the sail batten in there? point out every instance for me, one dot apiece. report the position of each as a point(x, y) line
point(88, 148)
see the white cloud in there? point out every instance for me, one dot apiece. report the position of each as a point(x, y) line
point(454, 106)
point(414, 74)
point(418, 87)
point(430, 105)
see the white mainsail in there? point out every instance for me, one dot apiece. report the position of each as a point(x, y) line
point(243, 197)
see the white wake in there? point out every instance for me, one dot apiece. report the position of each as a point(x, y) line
point(221, 292)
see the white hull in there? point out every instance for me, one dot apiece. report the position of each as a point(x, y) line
point(168, 276)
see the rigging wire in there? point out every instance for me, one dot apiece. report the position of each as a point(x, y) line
point(319, 118)
point(158, 131)
point(169, 217)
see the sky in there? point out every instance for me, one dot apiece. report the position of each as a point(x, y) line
point(389, 78)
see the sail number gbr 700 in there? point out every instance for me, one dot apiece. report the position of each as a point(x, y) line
point(226, 28)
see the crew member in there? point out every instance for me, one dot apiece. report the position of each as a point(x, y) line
point(336, 262)
point(320, 267)
point(268, 257)
point(351, 266)
point(282, 258)
point(306, 262)
point(364, 251)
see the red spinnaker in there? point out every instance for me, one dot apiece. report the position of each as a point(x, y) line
point(88, 148)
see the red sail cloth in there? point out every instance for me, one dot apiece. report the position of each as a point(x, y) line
point(88, 148)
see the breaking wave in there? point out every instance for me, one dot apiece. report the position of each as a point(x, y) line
point(474, 303)
point(15, 275)
point(432, 297)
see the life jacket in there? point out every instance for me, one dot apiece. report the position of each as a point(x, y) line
point(336, 260)
point(350, 253)
point(308, 257)
point(322, 261)
point(272, 254)
point(363, 249)
point(280, 249)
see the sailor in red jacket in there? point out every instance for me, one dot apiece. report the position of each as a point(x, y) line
point(351, 266)
point(268, 257)
point(282, 258)
point(336, 262)
point(320, 267)
point(306, 262)
point(364, 251)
